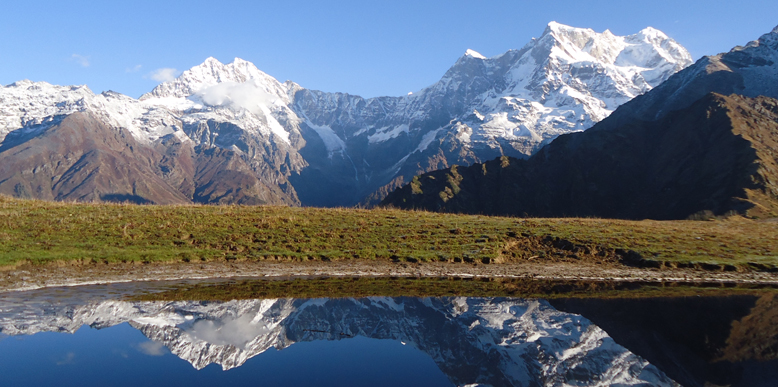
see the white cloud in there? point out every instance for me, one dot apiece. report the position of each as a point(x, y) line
point(80, 59)
point(164, 74)
point(133, 69)
point(235, 331)
point(151, 348)
point(249, 95)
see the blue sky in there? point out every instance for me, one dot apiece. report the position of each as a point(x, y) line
point(367, 47)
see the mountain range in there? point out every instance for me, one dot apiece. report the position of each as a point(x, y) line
point(229, 133)
point(703, 142)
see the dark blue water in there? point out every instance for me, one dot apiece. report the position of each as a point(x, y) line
point(92, 336)
point(122, 356)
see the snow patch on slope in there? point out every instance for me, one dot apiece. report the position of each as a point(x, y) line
point(387, 133)
point(427, 139)
point(332, 142)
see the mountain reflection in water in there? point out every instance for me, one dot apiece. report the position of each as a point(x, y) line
point(697, 341)
point(489, 341)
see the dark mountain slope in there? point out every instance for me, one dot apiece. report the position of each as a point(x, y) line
point(719, 154)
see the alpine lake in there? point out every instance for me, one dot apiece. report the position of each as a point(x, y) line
point(389, 332)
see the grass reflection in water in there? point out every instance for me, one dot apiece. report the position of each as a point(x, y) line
point(336, 287)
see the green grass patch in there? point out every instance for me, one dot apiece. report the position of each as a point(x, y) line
point(40, 232)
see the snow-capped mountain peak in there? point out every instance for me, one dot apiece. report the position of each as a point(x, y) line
point(212, 72)
point(584, 44)
point(652, 33)
point(566, 80)
point(554, 27)
point(474, 54)
point(237, 93)
point(29, 107)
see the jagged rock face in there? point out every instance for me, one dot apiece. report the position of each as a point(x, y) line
point(330, 149)
point(718, 155)
point(500, 342)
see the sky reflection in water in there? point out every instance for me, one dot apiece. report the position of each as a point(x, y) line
point(123, 356)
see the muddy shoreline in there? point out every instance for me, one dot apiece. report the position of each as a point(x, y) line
point(29, 277)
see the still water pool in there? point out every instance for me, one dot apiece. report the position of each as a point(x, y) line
point(95, 335)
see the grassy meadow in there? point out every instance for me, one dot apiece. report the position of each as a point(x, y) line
point(40, 232)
